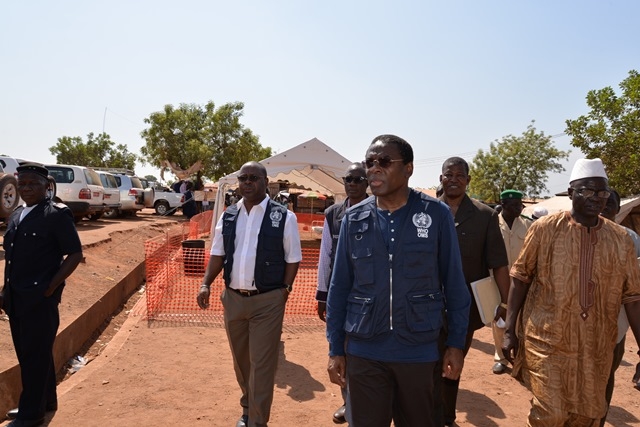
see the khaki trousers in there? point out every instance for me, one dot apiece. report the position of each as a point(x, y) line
point(254, 327)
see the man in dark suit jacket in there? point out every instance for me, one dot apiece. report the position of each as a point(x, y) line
point(482, 249)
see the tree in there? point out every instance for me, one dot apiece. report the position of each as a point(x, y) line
point(151, 178)
point(193, 133)
point(96, 152)
point(520, 163)
point(611, 131)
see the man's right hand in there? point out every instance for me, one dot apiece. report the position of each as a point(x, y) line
point(203, 297)
point(510, 345)
point(322, 310)
point(337, 369)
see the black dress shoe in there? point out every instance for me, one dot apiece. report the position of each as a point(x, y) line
point(13, 413)
point(338, 416)
point(243, 421)
point(26, 423)
point(499, 368)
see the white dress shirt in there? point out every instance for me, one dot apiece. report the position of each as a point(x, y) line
point(246, 243)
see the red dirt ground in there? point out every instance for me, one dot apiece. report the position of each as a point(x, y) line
point(142, 375)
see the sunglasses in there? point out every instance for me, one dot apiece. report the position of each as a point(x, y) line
point(383, 162)
point(588, 192)
point(251, 178)
point(356, 179)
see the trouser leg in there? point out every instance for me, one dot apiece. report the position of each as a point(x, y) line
point(33, 335)
point(236, 324)
point(618, 353)
point(265, 330)
point(498, 338)
point(414, 394)
point(371, 391)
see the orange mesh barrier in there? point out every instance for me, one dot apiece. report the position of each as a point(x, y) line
point(175, 265)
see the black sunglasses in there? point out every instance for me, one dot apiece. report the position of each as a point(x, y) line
point(383, 162)
point(356, 179)
point(252, 178)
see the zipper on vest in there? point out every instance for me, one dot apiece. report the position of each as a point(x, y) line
point(391, 292)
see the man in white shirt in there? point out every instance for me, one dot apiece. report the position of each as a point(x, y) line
point(260, 238)
point(513, 227)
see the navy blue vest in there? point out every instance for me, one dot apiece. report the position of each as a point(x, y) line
point(270, 263)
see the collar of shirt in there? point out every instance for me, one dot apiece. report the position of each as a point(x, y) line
point(262, 204)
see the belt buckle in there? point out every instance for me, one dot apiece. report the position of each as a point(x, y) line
point(247, 292)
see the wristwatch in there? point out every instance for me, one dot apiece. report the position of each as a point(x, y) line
point(289, 288)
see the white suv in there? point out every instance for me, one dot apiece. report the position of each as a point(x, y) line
point(111, 193)
point(133, 196)
point(80, 189)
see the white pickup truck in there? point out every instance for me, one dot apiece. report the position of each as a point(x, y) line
point(166, 201)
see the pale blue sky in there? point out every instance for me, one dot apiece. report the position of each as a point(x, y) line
point(449, 76)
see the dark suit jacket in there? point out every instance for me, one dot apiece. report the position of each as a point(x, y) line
point(481, 246)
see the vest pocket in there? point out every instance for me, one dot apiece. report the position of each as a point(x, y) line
point(362, 259)
point(425, 311)
point(359, 320)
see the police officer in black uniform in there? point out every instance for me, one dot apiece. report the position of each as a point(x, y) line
point(42, 249)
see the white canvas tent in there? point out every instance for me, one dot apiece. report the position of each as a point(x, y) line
point(312, 164)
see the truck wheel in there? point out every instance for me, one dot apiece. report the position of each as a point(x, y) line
point(111, 213)
point(8, 195)
point(162, 207)
point(95, 216)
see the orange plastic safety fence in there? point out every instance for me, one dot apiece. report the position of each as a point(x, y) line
point(175, 265)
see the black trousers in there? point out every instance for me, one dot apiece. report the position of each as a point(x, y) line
point(33, 333)
point(380, 391)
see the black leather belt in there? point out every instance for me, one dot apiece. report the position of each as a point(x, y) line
point(245, 292)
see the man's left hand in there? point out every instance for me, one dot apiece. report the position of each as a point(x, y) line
point(452, 363)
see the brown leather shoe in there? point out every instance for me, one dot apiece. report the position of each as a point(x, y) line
point(338, 416)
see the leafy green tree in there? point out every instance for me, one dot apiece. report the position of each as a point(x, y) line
point(190, 133)
point(150, 178)
point(611, 131)
point(98, 151)
point(515, 162)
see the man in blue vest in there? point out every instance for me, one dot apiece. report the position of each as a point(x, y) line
point(355, 187)
point(257, 243)
point(397, 274)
